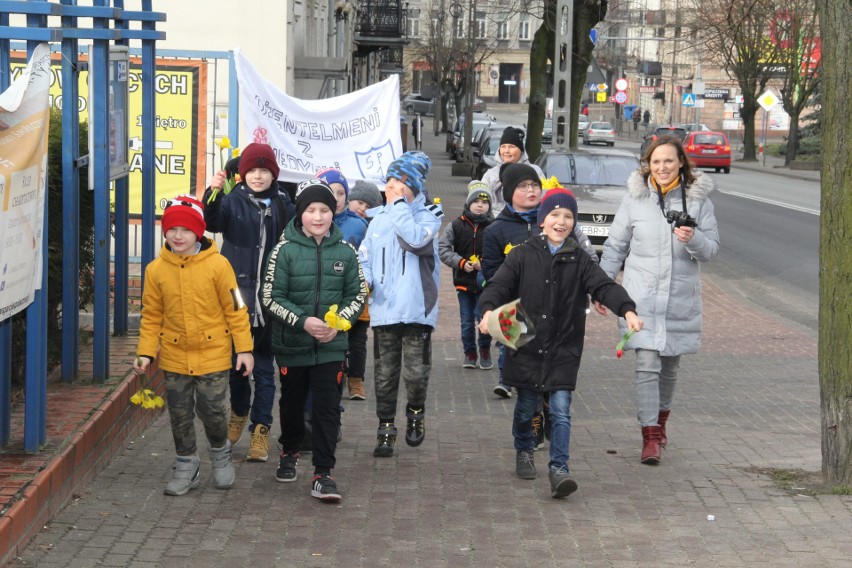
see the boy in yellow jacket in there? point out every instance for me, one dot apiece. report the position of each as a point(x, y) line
point(192, 317)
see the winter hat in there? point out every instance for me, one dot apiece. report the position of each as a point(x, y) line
point(411, 169)
point(313, 191)
point(513, 136)
point(258, 156)
point(556, 198)
point(367, 192)
point(332, 175)
point(513, 174)
point(232, 166)
point(478, 190)
point(184, 211)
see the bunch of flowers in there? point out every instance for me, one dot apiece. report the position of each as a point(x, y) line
point(333, 319)
point(550, 183)
point(224, 144)
point(145, 397)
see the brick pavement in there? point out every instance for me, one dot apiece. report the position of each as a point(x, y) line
point(749, 400)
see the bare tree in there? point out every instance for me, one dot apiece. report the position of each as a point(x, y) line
point(795, 36)
point(587, 14)
point(835, 309)
point(737, 37)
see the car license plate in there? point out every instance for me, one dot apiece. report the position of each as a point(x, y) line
point(595, 231)
point(709, 151)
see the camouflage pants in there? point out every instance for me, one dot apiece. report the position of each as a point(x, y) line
point(402, 349)
point(205, 394)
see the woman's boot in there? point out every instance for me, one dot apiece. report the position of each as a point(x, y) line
point(661, 420)
point(651, 445)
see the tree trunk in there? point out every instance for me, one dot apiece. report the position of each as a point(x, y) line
point(792, 139)
point(749, 139)
point(835, 304)
point(538, 90)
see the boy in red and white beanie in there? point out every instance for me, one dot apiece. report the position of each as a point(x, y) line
point(192, 319)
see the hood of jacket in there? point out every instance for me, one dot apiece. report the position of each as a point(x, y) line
point(640, 188)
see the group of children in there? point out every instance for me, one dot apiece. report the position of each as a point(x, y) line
point(294, 292)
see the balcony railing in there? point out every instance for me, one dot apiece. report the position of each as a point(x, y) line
point(381, 18)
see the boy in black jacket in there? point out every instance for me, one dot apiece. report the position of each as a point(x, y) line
point(551, 276)
point(460, 248)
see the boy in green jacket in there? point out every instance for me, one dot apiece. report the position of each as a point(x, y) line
point(309, 271)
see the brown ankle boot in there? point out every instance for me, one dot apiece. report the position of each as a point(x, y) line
point(661, 420)
point(651, 445)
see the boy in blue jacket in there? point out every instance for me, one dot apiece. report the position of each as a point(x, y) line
point(399, 256)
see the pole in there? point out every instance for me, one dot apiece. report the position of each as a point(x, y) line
point(763, 142)
point(564, 115)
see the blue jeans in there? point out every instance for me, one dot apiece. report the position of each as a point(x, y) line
point(560, 424)
point(470, 316)
point(263, 377)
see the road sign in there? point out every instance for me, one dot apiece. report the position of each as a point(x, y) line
point(767, 100)
point(593, 35)
point(688, 100)
point(621, 97)
point(602, 87)
point(621, 84)
point(510, 82)
point(600, 97)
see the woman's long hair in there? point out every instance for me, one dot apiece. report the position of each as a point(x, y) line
point(685, 170)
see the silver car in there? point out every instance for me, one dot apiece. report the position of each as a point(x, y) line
point(599, 133)
point(416, 103)
point(598, 179)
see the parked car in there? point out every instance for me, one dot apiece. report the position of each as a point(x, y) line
point(454, 135)
point(582, 124)
point(547, 131)
point(599, 132)
point(415, 103)
point(479, 105)
point(695, 126)
point(708, 149)
point(485, 156)
point(657, 131)
point(492, 129)
point(480, 121)
point(598, 178)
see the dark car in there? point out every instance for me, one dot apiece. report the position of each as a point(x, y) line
point(598, 178)
point(480, 121)
point(547, 131)
point(708, 149)
point(454, 135)
point(485, 156)
point(656, 132)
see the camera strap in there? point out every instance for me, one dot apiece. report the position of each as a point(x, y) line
point(661, 201)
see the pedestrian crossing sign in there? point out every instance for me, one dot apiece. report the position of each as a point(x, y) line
point(688, 100)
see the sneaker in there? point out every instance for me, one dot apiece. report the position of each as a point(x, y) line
point(356, 388)
point(287, 467)
point(185, 475)
point(415, 430)
point(236, 427)
point(223, 466)
point(560, 484)
point(502, 391)
point(485, 362)
point(385, 439)
point(538, 430)
point(525, 467)
point(469, 361)
point(259, 446)
point(325, 489)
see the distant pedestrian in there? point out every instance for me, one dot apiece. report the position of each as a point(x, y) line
point(251, 218)
point(637, 114)
point(460, 248)
point(192, 318)
point(399, 256)
point(662, 273)
point(551, 276)
point(646, 118)
point(417, 131)
point(310, 270)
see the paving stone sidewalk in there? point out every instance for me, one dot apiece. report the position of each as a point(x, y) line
point(749, 401)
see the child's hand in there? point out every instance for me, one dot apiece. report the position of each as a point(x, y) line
point(140, 365)
point(319, 330)
point(483, 323)
point(245, 360)
point(469, 266)
point(218, 181)
point(633, 321)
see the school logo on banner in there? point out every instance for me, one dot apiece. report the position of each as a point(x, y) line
point(374, 163)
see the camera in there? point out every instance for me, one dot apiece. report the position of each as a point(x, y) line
point(680, 219)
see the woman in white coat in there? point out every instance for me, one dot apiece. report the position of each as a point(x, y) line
point(664, 228)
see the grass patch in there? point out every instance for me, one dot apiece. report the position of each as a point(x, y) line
point(796, 481)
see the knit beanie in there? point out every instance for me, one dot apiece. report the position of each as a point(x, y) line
point(411, 169)
point(313, 191)
point(258, 156)
point(367, 192)
point(184, 211)
point(556, 198)
point(332, 175)
point(478, 190)
point(513, 136)
point(513, 174)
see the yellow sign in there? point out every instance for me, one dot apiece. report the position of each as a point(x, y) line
point(180, 124)
point(602, 87)
point(767, 100)
point(600, 97)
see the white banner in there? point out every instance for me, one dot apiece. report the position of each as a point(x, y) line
point(358, 133)
point(24, 123)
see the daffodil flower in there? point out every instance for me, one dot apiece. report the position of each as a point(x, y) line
point(224, 144)
point(335, 321)
point(473, 259)
point(508, 249)
point(550, 183)
point(145, 397)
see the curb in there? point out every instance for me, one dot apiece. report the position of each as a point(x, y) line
point(88, 451)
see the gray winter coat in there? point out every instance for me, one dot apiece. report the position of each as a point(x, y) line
point(661, 274)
